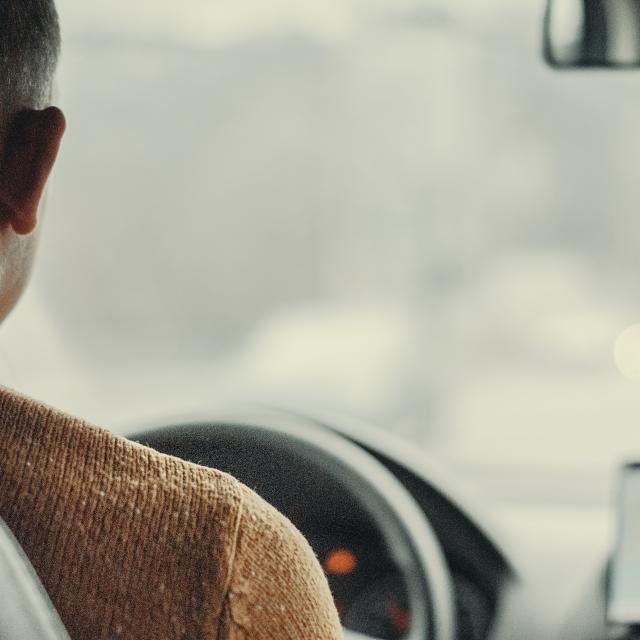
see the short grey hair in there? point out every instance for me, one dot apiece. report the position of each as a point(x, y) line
point(29, 52)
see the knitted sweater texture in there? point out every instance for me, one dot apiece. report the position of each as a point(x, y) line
point(131, 544)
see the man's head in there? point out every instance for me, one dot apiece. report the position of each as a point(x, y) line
point(30, 133)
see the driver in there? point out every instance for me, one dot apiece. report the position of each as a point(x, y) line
point(128, 543)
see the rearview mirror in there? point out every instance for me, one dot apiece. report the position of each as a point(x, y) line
point(592, 33)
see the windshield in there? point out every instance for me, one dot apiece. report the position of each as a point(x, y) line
point(389, 208)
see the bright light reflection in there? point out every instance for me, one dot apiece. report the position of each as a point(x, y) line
point(627, 352)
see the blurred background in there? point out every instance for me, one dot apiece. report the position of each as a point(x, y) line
point(386, 208)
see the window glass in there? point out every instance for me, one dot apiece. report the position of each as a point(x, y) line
point(386, 208)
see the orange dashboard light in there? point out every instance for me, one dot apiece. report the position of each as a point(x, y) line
point(340, 562)
point(400, 618)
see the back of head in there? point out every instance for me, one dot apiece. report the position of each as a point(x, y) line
point(29, 50)
point(30, 134)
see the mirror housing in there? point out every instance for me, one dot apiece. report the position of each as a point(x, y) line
point(592, 33)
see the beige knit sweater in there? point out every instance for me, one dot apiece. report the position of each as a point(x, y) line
point(134, 545)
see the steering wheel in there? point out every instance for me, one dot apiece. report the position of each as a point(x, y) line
point(290, 460)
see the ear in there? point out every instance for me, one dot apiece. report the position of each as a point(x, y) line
point(31, 148)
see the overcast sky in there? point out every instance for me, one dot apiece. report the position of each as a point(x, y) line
point(204, 23)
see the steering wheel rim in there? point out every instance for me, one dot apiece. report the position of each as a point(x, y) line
point(402, 525)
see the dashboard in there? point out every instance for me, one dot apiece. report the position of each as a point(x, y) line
point(369, 592)
point(408, 554)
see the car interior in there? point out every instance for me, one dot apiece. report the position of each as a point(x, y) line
point(424, 531)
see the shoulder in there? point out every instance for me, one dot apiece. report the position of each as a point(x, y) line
point(151, 536)
point(230, 558)
point(277, 587)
